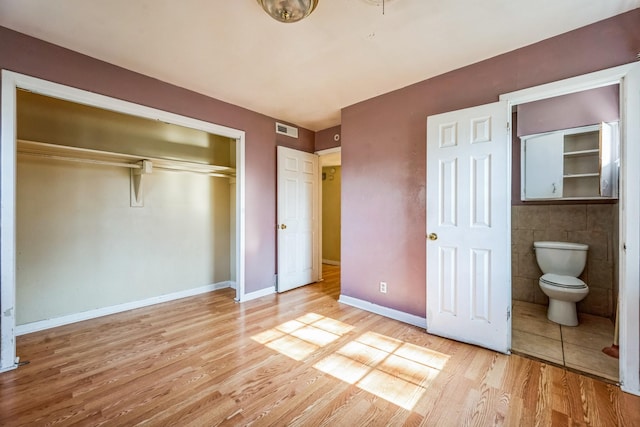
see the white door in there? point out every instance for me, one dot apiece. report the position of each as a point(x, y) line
point(298, 219)
point(629, 298)
point(468, 226)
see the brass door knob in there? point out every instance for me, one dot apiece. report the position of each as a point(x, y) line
point(433, 236)
point(283, 226)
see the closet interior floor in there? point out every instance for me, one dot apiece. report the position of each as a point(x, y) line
point(576, 347)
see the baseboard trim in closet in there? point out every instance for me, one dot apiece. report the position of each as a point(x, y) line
point(41, 325)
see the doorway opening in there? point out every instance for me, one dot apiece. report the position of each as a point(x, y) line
point(628, 79)
point(573, 198)
point(161, 152)
point(331, 165)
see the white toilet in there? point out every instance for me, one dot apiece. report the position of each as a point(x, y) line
point(561, 264)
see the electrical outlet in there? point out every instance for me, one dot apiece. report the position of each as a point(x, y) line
point(383, 287)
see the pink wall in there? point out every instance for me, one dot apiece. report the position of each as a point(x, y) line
point(384, 155)
point(325, 138)
point(34, 57)
point(570, 111)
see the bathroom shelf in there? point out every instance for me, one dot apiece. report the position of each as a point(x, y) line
point(580, 175)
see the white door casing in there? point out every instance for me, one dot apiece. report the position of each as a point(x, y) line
point(298, 218)
point(628, 76)
point(629, 296)
point(468, 283)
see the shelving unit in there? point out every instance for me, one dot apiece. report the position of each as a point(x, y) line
point(139, 166)
point(579, 163)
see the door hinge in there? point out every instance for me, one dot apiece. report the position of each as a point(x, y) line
point(508, 313)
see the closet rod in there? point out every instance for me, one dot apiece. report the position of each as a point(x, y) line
point(81, 160)
point(54, 151)
point(120, 164)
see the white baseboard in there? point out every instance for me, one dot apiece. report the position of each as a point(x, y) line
point(259, 294)
point(105, 311)
point(384, 311)
point(330, 262)
point(232, 284)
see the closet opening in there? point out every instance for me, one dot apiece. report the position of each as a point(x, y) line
point(109, 206)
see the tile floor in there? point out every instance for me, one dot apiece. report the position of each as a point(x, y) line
point(577, 347)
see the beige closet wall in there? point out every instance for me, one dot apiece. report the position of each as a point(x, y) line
point(82, 247)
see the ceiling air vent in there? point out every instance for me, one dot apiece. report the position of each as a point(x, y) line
point(286, 130)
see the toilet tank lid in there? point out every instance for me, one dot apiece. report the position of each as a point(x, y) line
point(561, 245)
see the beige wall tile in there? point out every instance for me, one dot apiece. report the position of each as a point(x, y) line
point(522, 241)
point(600, 274)
point(600, 217)
point(523, 289)
point(528, 266)
point(597, 302)
point(598, 242)
point(568, 217)
point(533, 217)
point(550, 235)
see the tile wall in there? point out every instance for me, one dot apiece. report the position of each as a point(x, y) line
point(593, 224)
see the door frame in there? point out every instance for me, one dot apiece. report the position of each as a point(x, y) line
point(11, 82)
point(629, 230)
point(321, 154)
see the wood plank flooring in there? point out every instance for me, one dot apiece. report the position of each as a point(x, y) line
point(299, 359)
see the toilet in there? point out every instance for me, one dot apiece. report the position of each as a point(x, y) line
point(561, 264)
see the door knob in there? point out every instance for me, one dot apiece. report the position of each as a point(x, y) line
point(433, 236)
point(283, 226)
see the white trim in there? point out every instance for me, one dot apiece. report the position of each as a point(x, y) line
point(571, 85)
point(42, 325)
point(330, 262)
point(260, 293)
point(384, 311)
point(8, 224)
point(630, 210)
point(629, 242)
point(329, 151)
point(11, 81)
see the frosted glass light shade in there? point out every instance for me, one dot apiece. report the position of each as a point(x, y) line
point(288, 10)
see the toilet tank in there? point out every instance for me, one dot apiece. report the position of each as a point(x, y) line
point(567, 259)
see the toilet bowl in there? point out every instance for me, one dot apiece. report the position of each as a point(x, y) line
point(562, 263)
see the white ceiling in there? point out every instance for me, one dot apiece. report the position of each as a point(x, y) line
point(347, 51)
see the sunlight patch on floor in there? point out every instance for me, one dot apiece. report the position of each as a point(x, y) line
point(389, 368)
point(396, 371)
point(299, 338)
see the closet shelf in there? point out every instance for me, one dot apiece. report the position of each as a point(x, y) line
point(107, 158)
point(581, 175)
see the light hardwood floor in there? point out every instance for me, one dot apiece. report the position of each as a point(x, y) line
point(298, 358)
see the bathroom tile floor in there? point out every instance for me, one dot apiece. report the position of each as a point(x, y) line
point(576, 347)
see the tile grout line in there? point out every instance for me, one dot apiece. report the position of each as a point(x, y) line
point(564, 360)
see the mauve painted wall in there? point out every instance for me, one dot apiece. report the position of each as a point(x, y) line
point(570, 111)
point(325, 138)
point(37, 58)
point(384, 154)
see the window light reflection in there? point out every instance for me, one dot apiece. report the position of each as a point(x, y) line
point(389, 368)
point(299, 338)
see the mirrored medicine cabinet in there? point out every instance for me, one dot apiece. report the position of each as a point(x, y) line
point(576, 164)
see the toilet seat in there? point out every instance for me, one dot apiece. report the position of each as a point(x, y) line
point(561, 281)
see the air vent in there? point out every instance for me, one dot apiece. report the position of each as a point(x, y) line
point(286, 130)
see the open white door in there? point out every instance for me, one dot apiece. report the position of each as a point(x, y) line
point(298, 219)
point(629, 299)
point(468, 226)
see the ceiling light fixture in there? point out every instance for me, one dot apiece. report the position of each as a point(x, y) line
point(288, 10)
